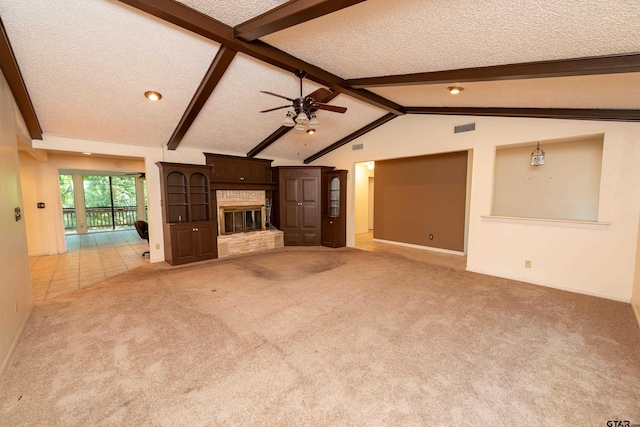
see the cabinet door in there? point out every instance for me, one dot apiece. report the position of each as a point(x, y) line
point(328, 232)
point(183, 244)
point(310, 210)
point(290, 206)
point(300, 214)
point(206, 243)
point(334, 222)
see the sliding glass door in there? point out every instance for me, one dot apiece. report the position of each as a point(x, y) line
point(110, 202)
point(101, 202)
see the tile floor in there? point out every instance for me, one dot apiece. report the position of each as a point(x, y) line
point(90, 258)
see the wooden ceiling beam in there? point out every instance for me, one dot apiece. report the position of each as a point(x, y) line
point(282, 131)
point(287, 15)
point(610, 64)
point(347, 139)
point(215, 72)
point(12, 74)
point(540, 113)
point(199, 23)
point(279, 133)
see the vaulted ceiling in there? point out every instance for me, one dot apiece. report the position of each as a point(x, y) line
point(79, 68)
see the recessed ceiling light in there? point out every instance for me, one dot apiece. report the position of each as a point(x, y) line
point(455, 89)
point(311, 131)
point(88, 154)
point(153, 95)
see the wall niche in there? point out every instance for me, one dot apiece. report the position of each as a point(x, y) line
point(566, 187)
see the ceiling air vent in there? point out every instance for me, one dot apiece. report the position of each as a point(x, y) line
point(464, 128)
point(357, 147)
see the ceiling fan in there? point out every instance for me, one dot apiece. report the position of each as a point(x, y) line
point(141, 175)
point(303, 116)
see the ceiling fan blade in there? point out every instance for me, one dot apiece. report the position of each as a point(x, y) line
point(319, 94)
point(277, 108)
point(333, 108)
point(275, 94)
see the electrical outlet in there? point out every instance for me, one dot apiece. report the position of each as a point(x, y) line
point(527, 264)
point(157, 245)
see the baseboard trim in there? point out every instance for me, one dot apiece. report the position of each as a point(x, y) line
point(548, 285)
point(7, 360)
point(424, 248)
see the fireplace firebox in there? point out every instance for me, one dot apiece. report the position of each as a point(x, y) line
point(241, 219)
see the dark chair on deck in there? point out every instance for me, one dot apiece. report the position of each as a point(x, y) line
point(143, 230)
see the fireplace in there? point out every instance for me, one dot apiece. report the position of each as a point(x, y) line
point(244, 224)
point(241, 219)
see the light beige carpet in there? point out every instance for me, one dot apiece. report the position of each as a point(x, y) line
point(323, 337)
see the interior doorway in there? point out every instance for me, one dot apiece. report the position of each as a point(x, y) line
point(364, 203)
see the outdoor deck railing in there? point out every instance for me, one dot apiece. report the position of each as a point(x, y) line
point(101, 217)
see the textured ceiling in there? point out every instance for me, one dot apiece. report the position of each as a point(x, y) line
point(231, 118)
point(605, 91)
point(233, 12)
point(382, 37)
point(87, 65)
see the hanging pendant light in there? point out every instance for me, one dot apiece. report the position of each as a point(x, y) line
point(537, 156)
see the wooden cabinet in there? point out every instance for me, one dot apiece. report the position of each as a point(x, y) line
point(334, 223)
point(194, 241)
point(190, 227)
point(300, 205)
point(233, 172)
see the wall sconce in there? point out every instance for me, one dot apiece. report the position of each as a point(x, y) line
point(537, 156)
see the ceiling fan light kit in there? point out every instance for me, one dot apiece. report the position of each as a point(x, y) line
point(288, 120)
point(303, 116)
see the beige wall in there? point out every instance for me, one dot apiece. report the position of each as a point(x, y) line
point(593, 261)
point(635, 298)
point(567, 186)
point(15, 287)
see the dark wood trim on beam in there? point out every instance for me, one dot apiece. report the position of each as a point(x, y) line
point(279, 133)
point(541, 113)
point(282, 131)
point(347, 139)
point(611, 64)
point(12, 74)
point(215, 72)
point(198, 23)
point(287, 15)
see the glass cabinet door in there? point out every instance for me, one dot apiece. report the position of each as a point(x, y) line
point(334, 197)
